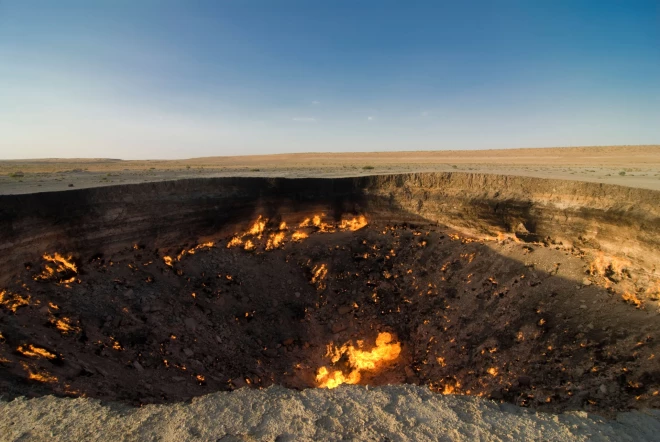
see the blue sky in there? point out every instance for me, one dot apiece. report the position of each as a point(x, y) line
point(178, 79)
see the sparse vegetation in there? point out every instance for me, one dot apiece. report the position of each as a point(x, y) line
point(368, 167)
point(255, 170)
point(622, 173)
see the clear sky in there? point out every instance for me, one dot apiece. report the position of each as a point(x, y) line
point(177, 79)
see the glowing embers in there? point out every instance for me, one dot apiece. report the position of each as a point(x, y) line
point(357, 360)
point(58, 268)
point(13, 301)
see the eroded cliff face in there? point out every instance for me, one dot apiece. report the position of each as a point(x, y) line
point(618, 228)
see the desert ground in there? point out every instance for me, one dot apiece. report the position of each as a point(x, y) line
point(632, 166)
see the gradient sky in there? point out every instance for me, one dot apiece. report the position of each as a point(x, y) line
point(177, 79)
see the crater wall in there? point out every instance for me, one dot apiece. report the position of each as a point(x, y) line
point(619, 225)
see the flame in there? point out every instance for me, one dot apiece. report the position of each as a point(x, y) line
point(317, 221)
point(168, 260)
point(258, 227)
point(44, 377)
point(603, 265)
point(62, 262)
point(249, 245)
point(283, 225)
point(235, 242)
point(64, 325)
point(631, 298)
point(319, 272)
point(13, 301)
point(275, 240)
point(354, 223)
point(299, 236)
point(35, 352)
point(64, 266)
point(359, 360)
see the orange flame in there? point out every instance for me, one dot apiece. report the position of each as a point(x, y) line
point(13, 301)
point(359, 360)
point(319, 272)
point(275, 240)
point(353, 224)
point(299, 236)
point(35, 352)
point(631, 298)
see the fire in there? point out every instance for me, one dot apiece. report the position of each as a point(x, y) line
point(354, 223)
point(12, 301)
point(44, 377)
point(275, 240)
point(249, 245)
point(65, 267)
point(359, 360)
point(631, 298)
point(317, 221)
point(168, 260)
point(35, 352)
point(64, 325)
point(319, 272)
point(258, 227)
point(62, 262)
point(235, 242)
point(299, 236)
point(283, 225)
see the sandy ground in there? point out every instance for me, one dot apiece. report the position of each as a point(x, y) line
point(633, 166)
point(395, 413)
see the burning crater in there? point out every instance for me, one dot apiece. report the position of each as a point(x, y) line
point(161, 292)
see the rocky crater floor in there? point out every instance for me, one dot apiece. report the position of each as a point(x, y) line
point(305, 305)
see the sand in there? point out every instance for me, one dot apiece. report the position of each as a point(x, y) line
point(393, 413)
point(632, 166)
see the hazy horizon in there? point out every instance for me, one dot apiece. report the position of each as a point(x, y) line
point(169, 80)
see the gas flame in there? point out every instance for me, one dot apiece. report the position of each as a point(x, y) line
point(258, 227)
point(63, 263)
point(353, 224)
point(631, 298)
point(12, 301)
point(275, 240)
point(299, 236)
point(63, 266)
point(319, 272)
point(235, 242)
point(35, 352)
point(359, 360)
point(317, 221)
point(44, 377)
point(65, 326)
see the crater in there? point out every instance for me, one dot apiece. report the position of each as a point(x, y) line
point(539, 293)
